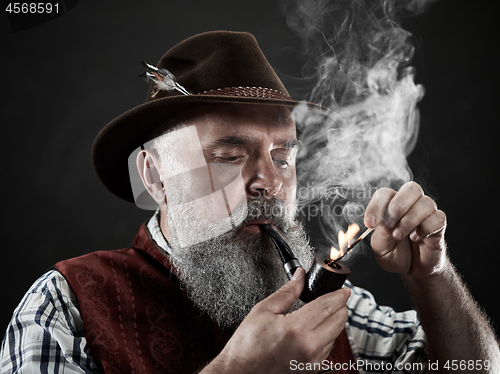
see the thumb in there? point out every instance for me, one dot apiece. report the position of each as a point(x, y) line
point(280, 301)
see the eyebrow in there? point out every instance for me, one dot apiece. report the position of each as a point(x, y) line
point(289, 144)
point(232, 140)
point(246, 140)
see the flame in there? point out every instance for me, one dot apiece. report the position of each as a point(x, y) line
point(345, 239)
point(335, 253)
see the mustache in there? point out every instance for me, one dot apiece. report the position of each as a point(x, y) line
point(270, 208)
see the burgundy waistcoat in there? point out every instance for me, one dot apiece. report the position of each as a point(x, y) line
point(138, 320)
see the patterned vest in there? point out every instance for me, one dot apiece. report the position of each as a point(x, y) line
point(138, 320)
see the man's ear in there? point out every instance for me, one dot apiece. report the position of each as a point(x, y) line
point(147, 165)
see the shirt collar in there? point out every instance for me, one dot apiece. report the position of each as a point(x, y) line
point(156, 234)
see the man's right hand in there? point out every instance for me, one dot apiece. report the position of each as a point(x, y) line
point(268, 340)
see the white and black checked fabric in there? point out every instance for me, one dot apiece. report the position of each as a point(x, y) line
point(379, 334)
point(46, 333)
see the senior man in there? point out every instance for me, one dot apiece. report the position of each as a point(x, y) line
point(202, 289)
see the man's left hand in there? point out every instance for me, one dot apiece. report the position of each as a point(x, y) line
point(409, 231)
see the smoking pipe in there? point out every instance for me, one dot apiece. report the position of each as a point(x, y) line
point(323, 277)
point(290, 262)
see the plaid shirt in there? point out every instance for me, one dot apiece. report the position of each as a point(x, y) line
point(46, 333)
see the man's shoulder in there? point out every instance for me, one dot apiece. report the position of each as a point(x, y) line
point(93, 258)
point(101, 253)
point(50, 295)
point(46, 332)
point(142, 249)
point(52, 284)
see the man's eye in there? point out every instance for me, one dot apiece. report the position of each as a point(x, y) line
point(228, 159)
point(282, 163)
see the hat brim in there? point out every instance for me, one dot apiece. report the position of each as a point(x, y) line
point(119, 138)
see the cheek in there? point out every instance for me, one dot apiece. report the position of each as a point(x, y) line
point(289, 188)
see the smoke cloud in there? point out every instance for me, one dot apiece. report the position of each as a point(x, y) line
point(418, 6)
point(359, 55)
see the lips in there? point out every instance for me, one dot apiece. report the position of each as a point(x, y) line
point(253, 226)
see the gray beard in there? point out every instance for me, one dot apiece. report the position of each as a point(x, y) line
point(227, 275)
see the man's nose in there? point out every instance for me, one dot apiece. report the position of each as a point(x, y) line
point(264, 178)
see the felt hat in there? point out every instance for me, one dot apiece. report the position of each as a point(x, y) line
point(214, 67)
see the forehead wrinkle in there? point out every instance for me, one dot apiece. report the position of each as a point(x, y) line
point(246, 140)
point(232, 140)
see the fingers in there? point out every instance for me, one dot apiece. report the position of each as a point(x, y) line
point(399, 206)
point(313, 314)
point(280, 301)
point(433, 224)
point(318, 343)
point(320, 312)
point(422, 209)
point(333, 326)
point(334, 322)
point(388, 206)
point(406, 212)
point(324, 309)
point(377, 208)
point(320, 322)
point(306, 335)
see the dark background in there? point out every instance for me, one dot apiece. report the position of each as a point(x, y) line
point(63, 80)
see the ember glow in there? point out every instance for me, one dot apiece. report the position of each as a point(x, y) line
point(345, 239)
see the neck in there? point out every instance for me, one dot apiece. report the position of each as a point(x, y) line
point(163, 224)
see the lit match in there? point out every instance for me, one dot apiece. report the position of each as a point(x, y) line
point(352, 245)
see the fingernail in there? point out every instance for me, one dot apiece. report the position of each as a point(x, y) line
point(348, 292)
point(298, 274)
point(370, 220)
point(397, 234)
point(414, 235)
